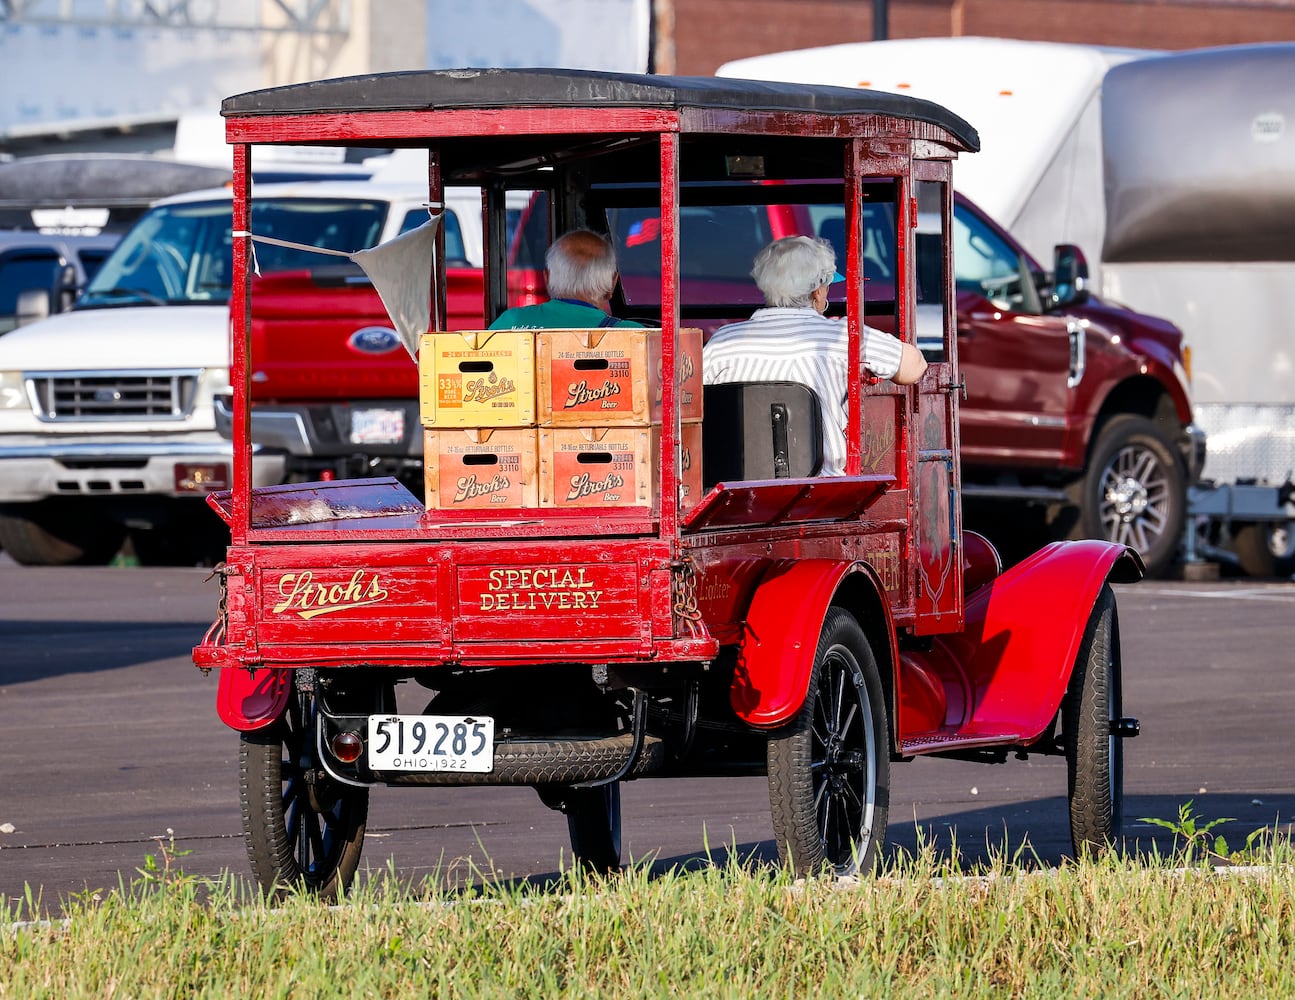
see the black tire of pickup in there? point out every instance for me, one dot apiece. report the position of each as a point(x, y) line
point(1134, 491)
point(829, 768)
point(41, 535)
point(1095, 755)
point(302, 829)
point(1265, 549)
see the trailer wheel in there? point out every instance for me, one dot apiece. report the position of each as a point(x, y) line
point(302, 828)
point(1133, 492)
point(594, 823)
point(41, 535)
point(1265, 548)
point(829, 769)
point(1094, 754)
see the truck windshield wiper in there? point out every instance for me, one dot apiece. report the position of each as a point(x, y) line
point(121, 293)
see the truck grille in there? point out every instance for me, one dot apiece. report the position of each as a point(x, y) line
point(151, 395)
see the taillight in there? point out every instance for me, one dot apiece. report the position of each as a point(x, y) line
point(347, 747)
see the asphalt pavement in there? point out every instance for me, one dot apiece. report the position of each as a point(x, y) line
point(113, 748)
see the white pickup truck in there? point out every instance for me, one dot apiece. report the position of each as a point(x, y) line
point(107, 426)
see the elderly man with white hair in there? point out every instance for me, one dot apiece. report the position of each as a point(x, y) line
point(792, 341)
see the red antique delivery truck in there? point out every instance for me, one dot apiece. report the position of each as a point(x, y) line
point(617, 572)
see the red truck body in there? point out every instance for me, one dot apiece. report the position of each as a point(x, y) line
point(817, 629)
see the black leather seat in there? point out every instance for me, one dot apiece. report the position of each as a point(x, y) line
point(761, 430)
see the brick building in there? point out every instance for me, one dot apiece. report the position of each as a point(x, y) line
point(696, 36)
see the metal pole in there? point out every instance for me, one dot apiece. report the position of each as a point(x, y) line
point(880, 27)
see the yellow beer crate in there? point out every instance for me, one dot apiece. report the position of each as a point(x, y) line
point(477, 378)
point(480, 468)
point(612, 376)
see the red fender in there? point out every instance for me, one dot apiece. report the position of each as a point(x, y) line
point(1023, 632)
point(780, 637)
point(248, 700)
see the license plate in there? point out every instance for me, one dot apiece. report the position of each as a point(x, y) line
point(431, 743)
point(377, 426)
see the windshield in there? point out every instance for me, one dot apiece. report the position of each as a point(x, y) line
point(183, 253)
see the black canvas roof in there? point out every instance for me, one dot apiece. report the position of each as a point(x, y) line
point(497, 88)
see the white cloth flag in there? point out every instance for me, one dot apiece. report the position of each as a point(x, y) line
point(401, 271)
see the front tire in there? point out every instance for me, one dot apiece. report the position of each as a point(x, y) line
point(594, 823)
point(829, 768)
point(1094, 754)
point(55, 535)
point(1134, 492)
point(301, 827)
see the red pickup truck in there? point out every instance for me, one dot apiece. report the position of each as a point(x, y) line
point(1075, 409)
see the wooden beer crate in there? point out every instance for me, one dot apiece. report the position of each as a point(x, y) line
point(612, 466)
point(612, 376)
point(480, 468)
point(477, 378)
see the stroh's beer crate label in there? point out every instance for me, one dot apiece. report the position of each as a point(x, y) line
point(480, 468)
point(477, 378)
point(612, 376)
point(612, 466)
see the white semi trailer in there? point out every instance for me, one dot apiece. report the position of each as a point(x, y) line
point(1173, 171)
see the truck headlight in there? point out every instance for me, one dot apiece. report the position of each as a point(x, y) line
point(13, 393)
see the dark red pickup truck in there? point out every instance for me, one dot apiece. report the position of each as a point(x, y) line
point(1074, 408)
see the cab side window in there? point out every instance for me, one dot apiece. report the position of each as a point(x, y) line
point(456, 254)
point(985, 264)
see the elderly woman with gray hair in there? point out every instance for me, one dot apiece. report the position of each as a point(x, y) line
point(790, 340)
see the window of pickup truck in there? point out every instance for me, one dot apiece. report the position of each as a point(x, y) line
point(456, 253)
point(987, 265)
point(720, 232)
point(182, 253)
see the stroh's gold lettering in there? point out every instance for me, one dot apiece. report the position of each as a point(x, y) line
point(469, 488)
point(584, 485)
point(483, 390)
point(580, 393)
point(305, 598)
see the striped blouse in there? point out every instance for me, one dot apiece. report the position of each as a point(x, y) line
point(799, 345)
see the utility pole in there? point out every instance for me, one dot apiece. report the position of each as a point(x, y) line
point(661, 56)
point(880, 27)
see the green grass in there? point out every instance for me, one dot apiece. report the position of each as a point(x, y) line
point(1113, 928)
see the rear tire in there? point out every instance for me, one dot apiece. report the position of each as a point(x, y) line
point(594, 823)
point(299, 832)
point(35, 535)
point(829, 769)
point(1134, 492)
point(1265, 549)
point(1094, 755)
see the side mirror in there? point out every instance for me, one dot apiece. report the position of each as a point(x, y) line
point(33, 304)
point(68, 287)
point(1069, 276)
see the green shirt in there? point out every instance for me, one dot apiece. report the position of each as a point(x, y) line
point(556, 314)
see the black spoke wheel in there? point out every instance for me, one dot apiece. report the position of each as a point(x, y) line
point(1095, 754)
point(302, 828)
point(594, 823)
point(829, 769)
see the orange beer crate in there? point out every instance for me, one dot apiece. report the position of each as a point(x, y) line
point(612, 376)
point(477, 378)
point(480, 468)
point(612, 466)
